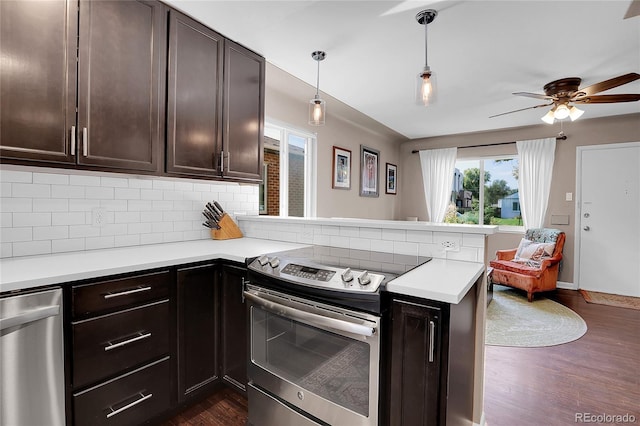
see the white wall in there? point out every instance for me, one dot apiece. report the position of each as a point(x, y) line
point(50, 210)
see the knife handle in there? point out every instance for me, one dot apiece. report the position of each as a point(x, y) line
point(219, 207)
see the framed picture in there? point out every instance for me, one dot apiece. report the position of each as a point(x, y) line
point(391, 179)
point(341, 168)
point(369, 164)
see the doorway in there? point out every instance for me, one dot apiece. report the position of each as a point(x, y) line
point(607, 211)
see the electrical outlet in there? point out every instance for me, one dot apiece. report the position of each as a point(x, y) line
point(449, 246)
point(99, 217)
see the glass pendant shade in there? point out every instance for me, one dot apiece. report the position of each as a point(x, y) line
point(561, 112)
point(317, 110)
point(548, 117)
point(426, 88)
point(575, 113)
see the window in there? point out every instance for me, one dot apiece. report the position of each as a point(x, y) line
point(498, 195)
point(289, 187)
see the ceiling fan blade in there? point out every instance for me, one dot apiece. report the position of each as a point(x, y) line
point(523, 109)
point(534, 95)
point(609, 84)
point(607, 99)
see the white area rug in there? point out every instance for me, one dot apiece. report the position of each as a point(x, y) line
point(512, 321)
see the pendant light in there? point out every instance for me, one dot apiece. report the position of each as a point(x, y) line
point(317, 106)
point(425, 91)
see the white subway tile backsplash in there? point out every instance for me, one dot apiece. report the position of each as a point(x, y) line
point(139, 228)
point(50, 205)
point(371, 233)
point(5, 189)
point(138, 205)
point(394, 234)
point(349, 231)
point(78, 231)
point(115, 182)
point(94, 243)
point(420, 236)
point(16, 176)
point(126, 240)
point(84, 180)
point(32, 248)
point(17, 205)
point(183, 186)
point(70, 244)
point(67, 191)
point(30, 190)
point(151, 238)
point(173, 195)
point(68, 218)
point(473, 240)
point(126, 217)
point(163, 184)
point(360, 243)
point(401, 247)
point(162, 227)
point(469, 254)
point(150, 194)
point(100, 193)
point(140, 183)
point(12, 235)
point(83, 205)
point(6, 249)
point(127, 194)
point(172, 237)
point(162, 205)
point(50, 232)
point(31, 219)
point(6, 220)
point(51, 178)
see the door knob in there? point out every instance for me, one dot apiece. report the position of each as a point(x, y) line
point(587, 215)
point(586, 228)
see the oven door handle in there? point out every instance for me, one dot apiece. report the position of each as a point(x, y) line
point(310, 318)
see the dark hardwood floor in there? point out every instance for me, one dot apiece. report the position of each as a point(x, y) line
point(597, 374)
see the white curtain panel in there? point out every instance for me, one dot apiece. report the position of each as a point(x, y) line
point(438, 166)
point(534, 183)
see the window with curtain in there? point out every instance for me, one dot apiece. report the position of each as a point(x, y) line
point(485, 191)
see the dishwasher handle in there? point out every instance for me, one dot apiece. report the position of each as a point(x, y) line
point(29, 316)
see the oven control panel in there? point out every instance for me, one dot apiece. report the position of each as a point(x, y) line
point(299, 271)
point(308, 272)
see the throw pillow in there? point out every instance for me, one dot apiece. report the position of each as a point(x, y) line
point(531, 253)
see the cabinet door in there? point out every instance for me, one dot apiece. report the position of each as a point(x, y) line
point(121, 84)
point(194, 93)
point(415, 364)
point(243, 113)
point(197, 329)
point(234, 328)
point(38, 42)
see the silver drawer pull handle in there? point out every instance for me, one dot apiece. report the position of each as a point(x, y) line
point(432, 331)
point(85, 141)
point(73, 140)
point(127, 292)
point(140, 336)
point(126, 407)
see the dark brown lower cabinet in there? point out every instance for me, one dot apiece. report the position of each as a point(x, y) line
point(431, 375)
point(233, 328)
point(198, 301)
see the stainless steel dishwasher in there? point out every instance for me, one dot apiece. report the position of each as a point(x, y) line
point(31, 357)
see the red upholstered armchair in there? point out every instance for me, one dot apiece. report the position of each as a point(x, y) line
point(529, 267)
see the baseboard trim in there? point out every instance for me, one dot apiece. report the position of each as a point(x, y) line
point(483, 422)
point(566, 286)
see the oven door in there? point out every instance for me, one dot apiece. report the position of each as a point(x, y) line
point(317, 358)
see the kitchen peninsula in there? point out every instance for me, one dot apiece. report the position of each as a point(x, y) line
point(445, 283)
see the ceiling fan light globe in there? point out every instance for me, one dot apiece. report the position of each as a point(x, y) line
point(548, 117)
point(561, 112)
point(575, 113)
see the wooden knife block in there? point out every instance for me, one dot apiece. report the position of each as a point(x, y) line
point(228, 229)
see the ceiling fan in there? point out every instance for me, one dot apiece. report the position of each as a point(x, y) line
point(562, 93)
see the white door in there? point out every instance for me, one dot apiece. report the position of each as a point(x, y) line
point(608, 233)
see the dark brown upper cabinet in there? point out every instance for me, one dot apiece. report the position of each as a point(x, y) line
point(215, 109)
point(121, 84)
point(243, 113)
point(38, 43)
point(113, 53)
point(194, 93)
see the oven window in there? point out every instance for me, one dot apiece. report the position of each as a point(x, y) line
point(328, 364)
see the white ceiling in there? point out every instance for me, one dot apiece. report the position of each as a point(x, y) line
point(481, 52)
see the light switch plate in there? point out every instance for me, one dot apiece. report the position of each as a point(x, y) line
point(568, 196)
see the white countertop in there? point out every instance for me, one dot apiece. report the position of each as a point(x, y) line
point(442, 280)
point(34, 271)
point(439, 279)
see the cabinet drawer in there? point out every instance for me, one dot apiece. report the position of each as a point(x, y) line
point(104, 346)
point(109, 296)
point(130, 399)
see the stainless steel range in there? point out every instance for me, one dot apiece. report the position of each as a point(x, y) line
point(315, 329)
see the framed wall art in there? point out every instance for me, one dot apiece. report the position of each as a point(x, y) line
point(369, 165)
point(391, 179)
point(341, 168)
